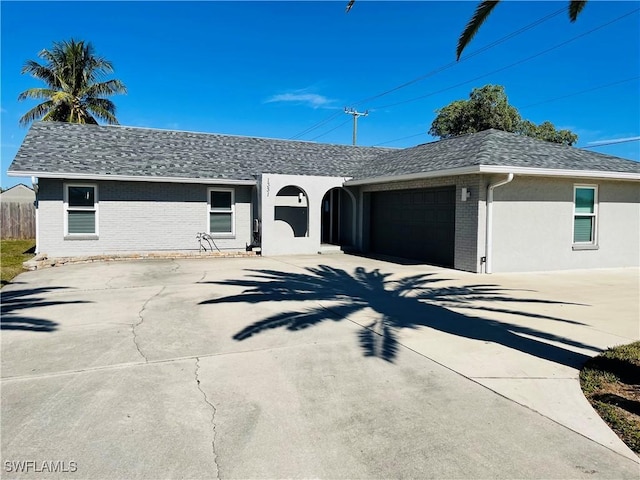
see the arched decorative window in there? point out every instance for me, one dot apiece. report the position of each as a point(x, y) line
point(292, 208)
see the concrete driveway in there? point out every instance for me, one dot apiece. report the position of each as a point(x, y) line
point(328, 366)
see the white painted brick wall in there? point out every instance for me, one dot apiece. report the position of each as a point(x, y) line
point(136, 217)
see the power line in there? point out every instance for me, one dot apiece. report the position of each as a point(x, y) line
point(562, 44)
point(435, 71)
point(329, 131)
point(613, 142)
point(534, 104)
point(315, 126)
point(398, 139)
point(581, 92)
point(519, 62)
point(466, 57)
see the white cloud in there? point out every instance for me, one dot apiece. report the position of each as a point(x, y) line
point(614, 140)
point(313, 100)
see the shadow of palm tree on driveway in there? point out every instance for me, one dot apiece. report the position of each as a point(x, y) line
point(15, 301)
point(411, 302)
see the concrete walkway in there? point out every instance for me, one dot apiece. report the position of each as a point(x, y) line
point(327, 366)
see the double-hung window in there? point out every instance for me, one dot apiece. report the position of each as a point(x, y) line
point(81, 210)
point(585, 215)
point(221, 205)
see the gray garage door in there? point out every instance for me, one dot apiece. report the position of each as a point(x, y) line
point(415, 224)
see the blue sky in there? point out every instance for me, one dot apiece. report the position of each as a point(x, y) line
point(276, 69)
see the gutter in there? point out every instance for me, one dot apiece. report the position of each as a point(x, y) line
point(488, 251)
point(527, 171)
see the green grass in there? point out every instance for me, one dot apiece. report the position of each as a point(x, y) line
point(12, 254)
point(611, 383)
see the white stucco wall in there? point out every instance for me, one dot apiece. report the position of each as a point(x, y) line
point(533, 225)
point(277, 236)
point(138, 217)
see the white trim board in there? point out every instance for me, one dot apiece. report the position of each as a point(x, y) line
point(131, 178)
point(526, 171)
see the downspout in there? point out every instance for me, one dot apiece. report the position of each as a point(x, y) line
point(34, 184)
point(488, 251)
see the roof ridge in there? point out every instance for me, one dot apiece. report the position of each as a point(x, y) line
point(214, 134)
point(486, 144)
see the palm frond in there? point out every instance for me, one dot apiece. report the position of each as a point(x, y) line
point(37, 93)
point(40, 72)
point(480, 15)
point(575, 7)
point(102, 103)
point(60, 96)
point(110, 87)
point(37, 112)
point(103, 109)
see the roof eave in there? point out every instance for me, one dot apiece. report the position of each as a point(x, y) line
point(556, 172)
point(526, 171)
point(129, 178)
point(415, 176)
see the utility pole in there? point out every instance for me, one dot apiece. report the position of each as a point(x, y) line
point(356, 114)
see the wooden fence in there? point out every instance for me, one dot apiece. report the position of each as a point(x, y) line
point(17, 220)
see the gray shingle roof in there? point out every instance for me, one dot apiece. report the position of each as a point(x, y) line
point(62, 148)
point(492, 147)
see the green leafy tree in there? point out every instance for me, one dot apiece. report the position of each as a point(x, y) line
point(488, 107)
point(74, 89)
point(485, 8)
point(548, 132)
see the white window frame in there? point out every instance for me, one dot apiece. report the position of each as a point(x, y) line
point(80, 209)
point(594, 240)
point(211, 210)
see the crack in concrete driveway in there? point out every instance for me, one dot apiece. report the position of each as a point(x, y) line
point(307, 399)
point(213, 417)
point(141, 320)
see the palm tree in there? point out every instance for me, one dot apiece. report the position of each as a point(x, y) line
point(486, 7)
point(482, 13)
point(74, 92)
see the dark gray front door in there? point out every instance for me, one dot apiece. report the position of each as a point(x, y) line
point(415, 224)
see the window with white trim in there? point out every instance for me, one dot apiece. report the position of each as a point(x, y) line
point(221, 203)
point(81, 209)
point(585, 214)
